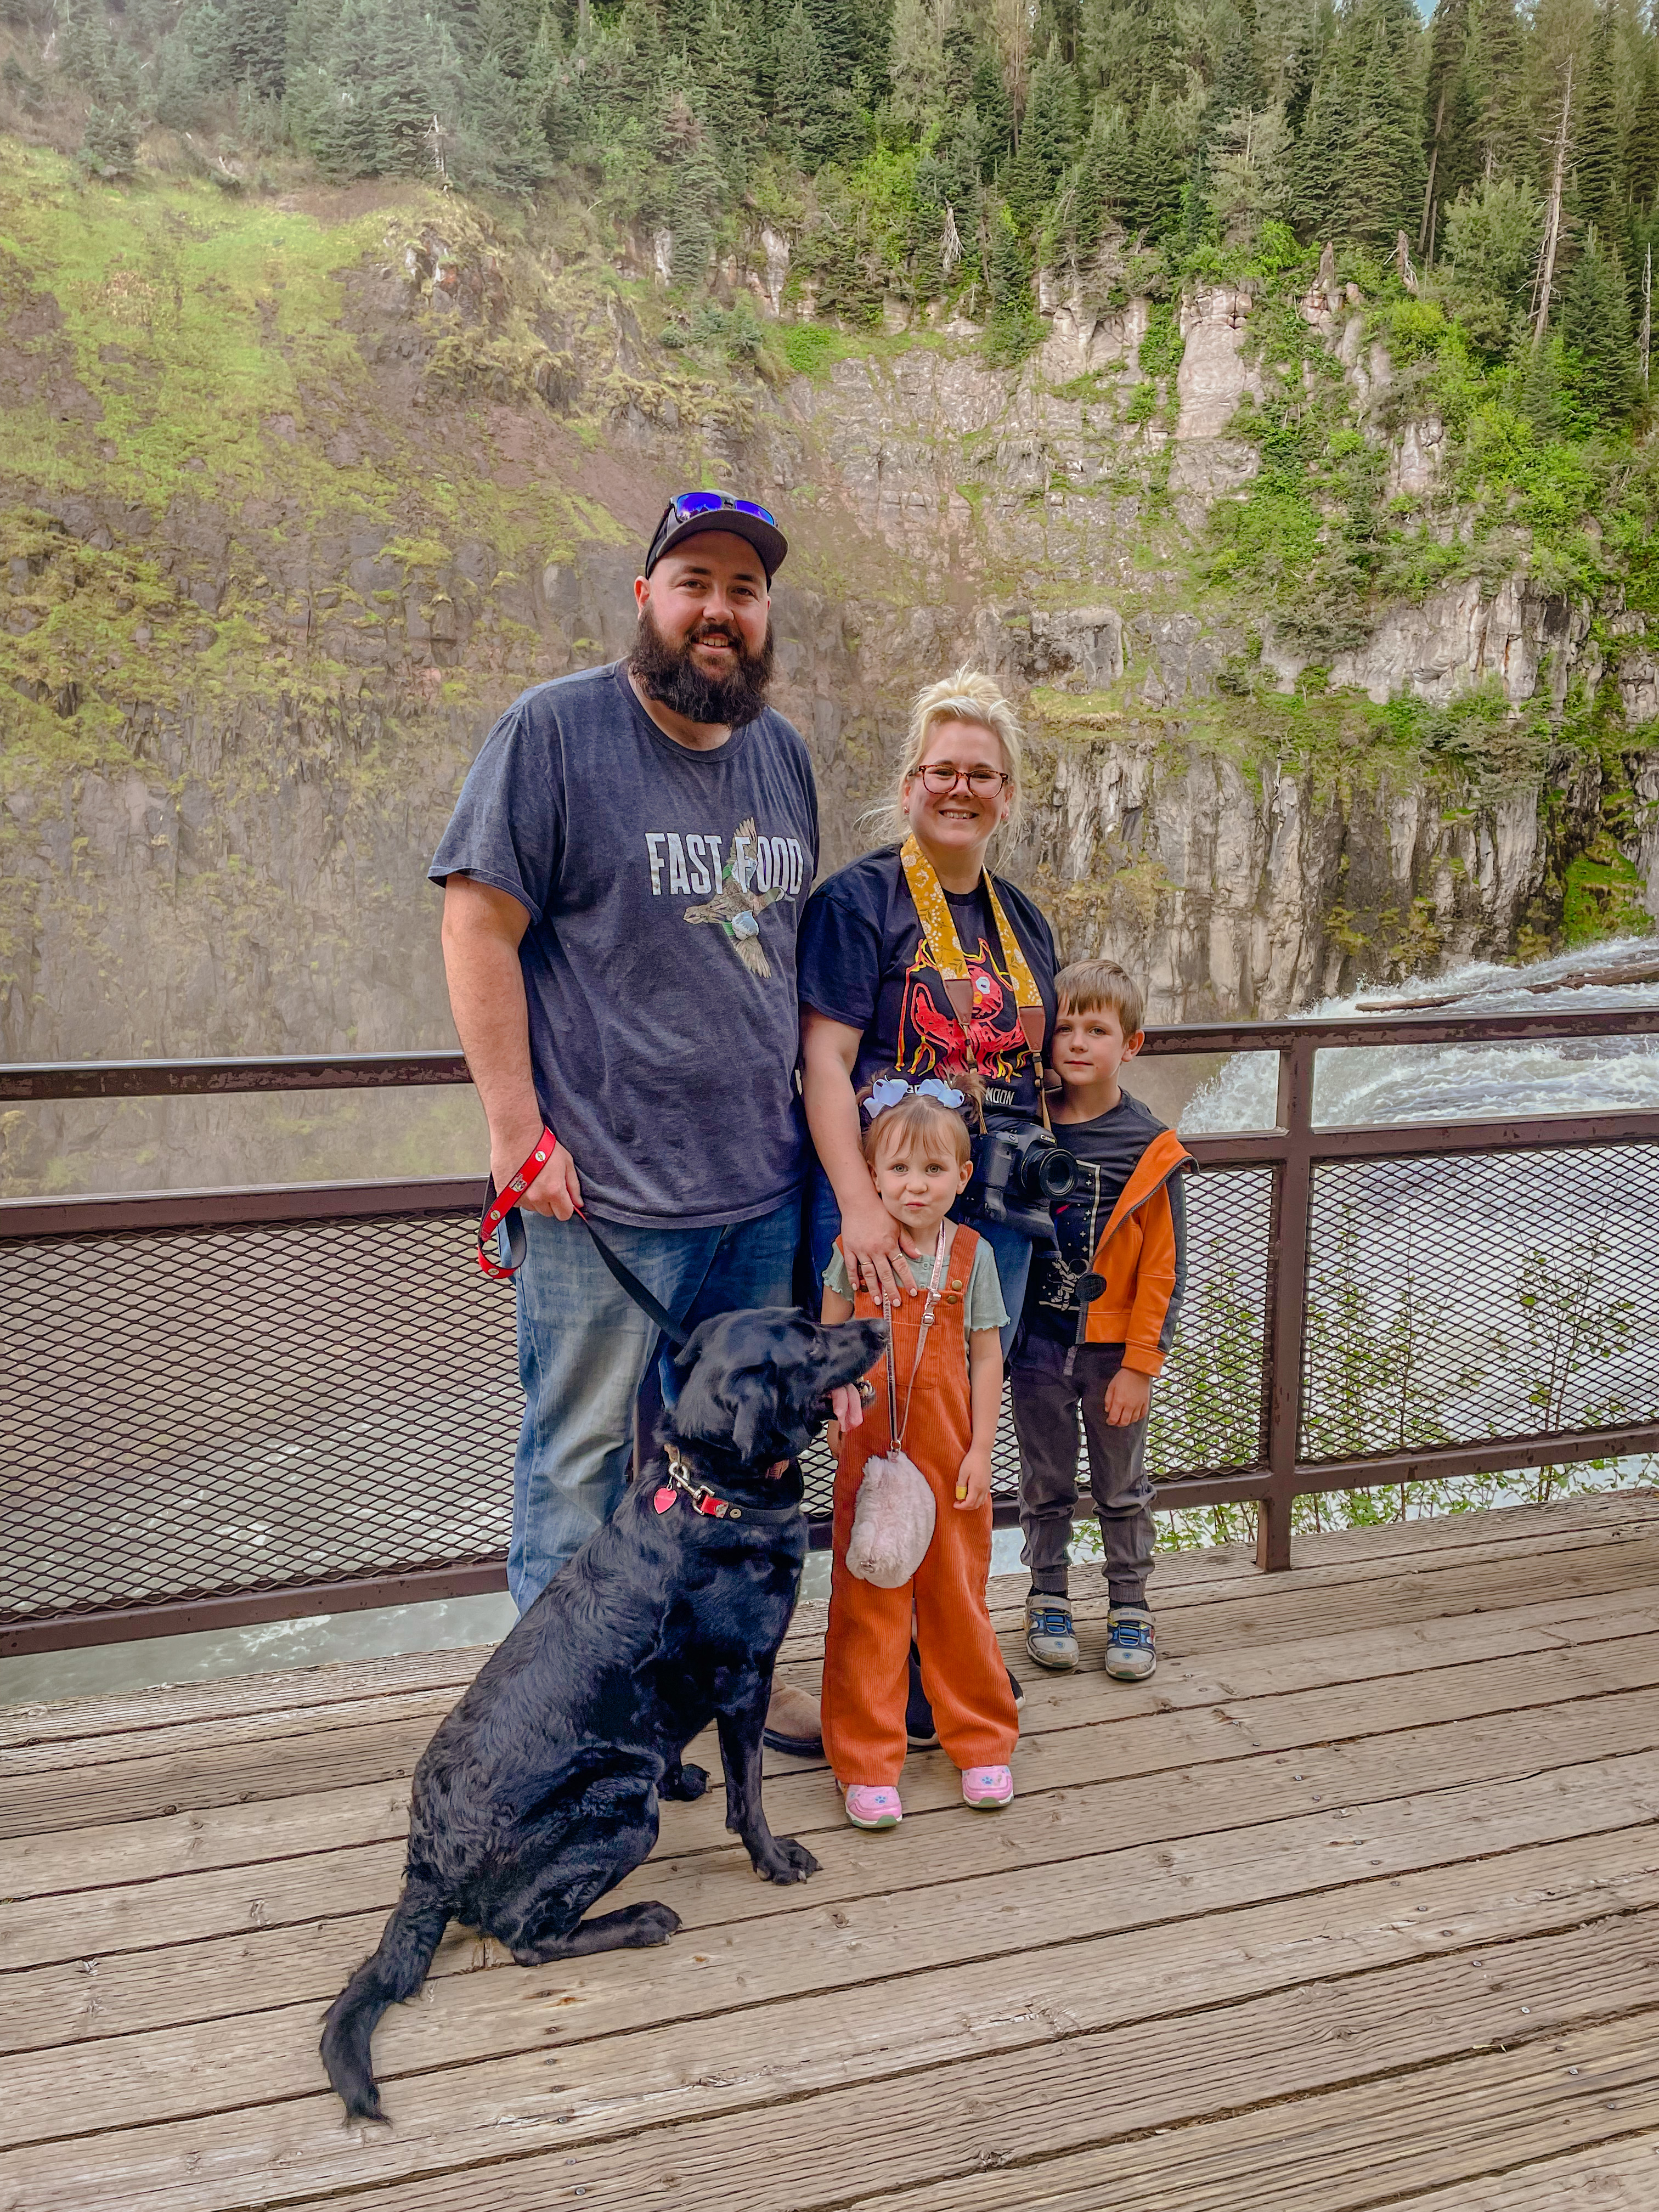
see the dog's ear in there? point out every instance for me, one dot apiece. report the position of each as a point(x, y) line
point(753, 1395)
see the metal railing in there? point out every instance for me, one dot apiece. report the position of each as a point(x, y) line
point(227, 1405)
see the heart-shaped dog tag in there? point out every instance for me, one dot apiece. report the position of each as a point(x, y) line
point(664, 1498)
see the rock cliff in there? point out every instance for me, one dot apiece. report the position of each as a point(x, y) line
point(252, 634)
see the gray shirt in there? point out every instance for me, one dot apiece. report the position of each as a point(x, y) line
point(663, 888)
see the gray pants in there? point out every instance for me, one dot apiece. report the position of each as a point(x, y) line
point(1046, 1402)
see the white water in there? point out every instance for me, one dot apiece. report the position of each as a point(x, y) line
point(1462, 1297)
point(1455, 1083)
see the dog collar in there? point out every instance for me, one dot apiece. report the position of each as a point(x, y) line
point(681, 1482)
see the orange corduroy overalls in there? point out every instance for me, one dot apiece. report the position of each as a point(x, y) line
point(867, 1643)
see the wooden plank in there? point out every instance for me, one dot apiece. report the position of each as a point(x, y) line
point(1244, 1774)
point(49, 1863)
point(1048, 1875)
point(1347, 2151)
point(170, 1783)
point(1609, 2177)
point(807, 2010)
point(1181, 1577)
point(535, 2133)
point(1591, 1618)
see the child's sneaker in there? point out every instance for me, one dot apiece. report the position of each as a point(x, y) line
point(1049, 1637)
point(871, 1806)
point(986, 1787)
point(1131, 1653)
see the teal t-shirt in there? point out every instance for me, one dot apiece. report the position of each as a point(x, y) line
point(981, 1302)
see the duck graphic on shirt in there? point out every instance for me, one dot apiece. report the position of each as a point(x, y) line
point(737, 907)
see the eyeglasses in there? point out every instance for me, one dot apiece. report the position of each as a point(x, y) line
point(940, 776)
point(690, 504)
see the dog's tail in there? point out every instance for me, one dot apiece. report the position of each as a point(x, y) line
point(391, 1977)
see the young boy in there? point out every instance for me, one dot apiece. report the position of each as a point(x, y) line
point(1099, 1320)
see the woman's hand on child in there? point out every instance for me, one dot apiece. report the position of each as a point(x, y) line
point(875, 1249)
point(1128, 1394)
point(973, 1482)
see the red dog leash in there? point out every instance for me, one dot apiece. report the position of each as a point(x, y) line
point(501, 1219)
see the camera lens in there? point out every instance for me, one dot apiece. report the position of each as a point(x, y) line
point(1054, 1173)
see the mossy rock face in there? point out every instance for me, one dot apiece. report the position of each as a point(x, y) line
point(296, 494)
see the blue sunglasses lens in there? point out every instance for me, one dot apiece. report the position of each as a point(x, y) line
point(711, 502)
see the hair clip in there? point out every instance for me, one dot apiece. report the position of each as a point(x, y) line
point(890, 1089)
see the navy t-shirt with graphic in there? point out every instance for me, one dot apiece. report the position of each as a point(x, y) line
point(664, 890)
point(863, 962)
point(1108, 1151)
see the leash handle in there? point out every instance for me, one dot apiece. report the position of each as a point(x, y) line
point(500, 1212)
point(503, 1207)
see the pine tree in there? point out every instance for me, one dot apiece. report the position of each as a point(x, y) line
point(1360, 168)
point(1449, 117)
point(996, 114)
point(723, 72)
point(916, 65)
point(1595, 335)
point(699, 192)
point(1252, 174)
point(1595, 137)
point(1014, 326)
point(1495, 68)
point(1159, 174)
point(1047, 141)
point(803, 95)
point(1105, 179)
point(1641, 180)
point(256, 44)
point(109, 148)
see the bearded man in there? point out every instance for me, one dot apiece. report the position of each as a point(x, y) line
point(622, 879)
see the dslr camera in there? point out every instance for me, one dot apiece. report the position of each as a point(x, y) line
point(1019, 1171)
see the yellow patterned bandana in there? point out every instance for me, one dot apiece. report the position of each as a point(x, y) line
point(944, 946)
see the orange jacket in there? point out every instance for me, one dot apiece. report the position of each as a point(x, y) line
point(1140, 1263)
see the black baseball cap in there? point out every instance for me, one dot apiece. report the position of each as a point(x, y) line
point(693, 511)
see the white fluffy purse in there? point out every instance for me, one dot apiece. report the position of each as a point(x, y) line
point(893, 1522)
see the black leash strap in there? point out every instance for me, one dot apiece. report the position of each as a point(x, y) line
point(504, 1222)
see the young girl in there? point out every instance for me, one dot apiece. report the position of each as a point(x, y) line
point(947, 1371)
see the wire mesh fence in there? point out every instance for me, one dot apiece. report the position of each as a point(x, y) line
point(308, 1401)
point(1512, 1295)
point(193, 1411)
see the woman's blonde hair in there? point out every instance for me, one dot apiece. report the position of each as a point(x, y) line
point(969, 696)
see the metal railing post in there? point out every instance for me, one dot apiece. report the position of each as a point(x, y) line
point(1287, 1301)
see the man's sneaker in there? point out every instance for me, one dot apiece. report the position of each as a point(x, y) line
point(987, 1789)
point(919, 1733)
point(871, 1806)
point(1130, 1653)
point(1049, 1637)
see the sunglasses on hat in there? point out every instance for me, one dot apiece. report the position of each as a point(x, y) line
point(697, 506)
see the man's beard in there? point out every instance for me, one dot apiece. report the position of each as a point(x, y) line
point(668, 675)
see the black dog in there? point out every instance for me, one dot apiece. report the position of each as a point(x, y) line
point(541, 1790)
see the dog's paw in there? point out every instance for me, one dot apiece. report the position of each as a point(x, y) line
point(789, 1862)
point(652, 1924)
point(686, 1782)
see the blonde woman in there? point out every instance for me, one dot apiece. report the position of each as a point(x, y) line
point(916, 957)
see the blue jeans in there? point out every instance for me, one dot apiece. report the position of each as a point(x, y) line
point(1011, 1251)
point(584, 1349)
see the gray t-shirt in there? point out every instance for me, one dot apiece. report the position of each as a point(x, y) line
point(663, 888)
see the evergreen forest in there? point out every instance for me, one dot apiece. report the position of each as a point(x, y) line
point(1497, 164)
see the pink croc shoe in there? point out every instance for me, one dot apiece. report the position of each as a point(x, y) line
point(987, 1789)
point(871, 1806)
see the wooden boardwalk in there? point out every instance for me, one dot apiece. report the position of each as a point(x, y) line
point(1355, 1905)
